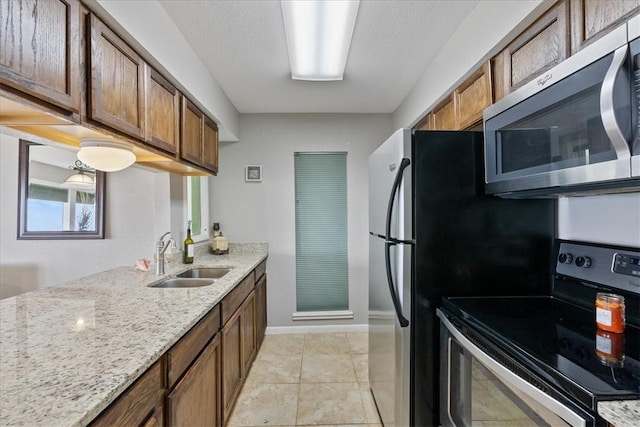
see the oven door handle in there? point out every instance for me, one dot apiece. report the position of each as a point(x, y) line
point(506, 375)
point(607, 106)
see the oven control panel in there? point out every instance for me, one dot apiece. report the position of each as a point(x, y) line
point(626, 264)
point(604, 265)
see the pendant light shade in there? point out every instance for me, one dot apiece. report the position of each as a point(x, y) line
point(79, 181)
point(105, 154)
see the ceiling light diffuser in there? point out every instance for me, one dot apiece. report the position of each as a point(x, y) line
point(318, 37)
point(106, 154)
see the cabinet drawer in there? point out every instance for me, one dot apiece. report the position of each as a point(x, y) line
point(231, 302)
point(260, 270)
point(135, 405)
point(182, 354)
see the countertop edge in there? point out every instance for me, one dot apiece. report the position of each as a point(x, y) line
point(620, 413)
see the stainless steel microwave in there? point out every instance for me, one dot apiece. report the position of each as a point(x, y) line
point(573, 130)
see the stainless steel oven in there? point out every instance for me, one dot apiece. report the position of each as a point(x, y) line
point(543, 359)
point(477, 389)
point(570, 130)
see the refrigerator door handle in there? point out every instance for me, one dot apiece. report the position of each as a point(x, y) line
point(392, 197)
point(392, 288)
point(391, 241)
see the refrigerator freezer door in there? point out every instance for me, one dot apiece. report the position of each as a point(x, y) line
point(383, 166)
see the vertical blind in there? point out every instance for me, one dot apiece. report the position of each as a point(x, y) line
point(321, 231)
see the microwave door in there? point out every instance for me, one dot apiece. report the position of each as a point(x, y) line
point(573, 131)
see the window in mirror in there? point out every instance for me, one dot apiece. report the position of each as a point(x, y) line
point(59, 196)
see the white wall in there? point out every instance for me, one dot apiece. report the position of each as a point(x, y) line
point(265, 212)
point(137, 212)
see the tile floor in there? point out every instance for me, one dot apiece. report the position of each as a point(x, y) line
point(310, 379)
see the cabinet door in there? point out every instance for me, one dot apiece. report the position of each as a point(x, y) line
point(248, 332)
point(192, 132)
point(592, 19)
point(444, 116)
point(133, 406)
point(231, 363)
point(195, 400)
point(261, 310)
point(163, 114)
point(210, 145)
point(156, 419)
point(472, 97)
point(540, 47)
point(116, 81)
point(40, 50)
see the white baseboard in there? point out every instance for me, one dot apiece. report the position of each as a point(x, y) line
point(310, 329)
point(322, 315)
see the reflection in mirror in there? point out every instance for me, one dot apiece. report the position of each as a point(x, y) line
point(59, 196)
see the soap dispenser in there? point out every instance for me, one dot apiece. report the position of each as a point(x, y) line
point(219, 242)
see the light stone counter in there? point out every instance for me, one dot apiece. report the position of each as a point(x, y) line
point(621, 413)
point(66, 352)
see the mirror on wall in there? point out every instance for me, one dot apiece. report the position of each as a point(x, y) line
point(59, 197)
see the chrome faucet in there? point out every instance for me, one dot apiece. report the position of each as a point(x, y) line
point(161, 247)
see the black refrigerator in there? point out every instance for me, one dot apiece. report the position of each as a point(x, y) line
point(433, 233)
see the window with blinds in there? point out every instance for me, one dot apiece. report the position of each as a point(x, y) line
point(322, 282)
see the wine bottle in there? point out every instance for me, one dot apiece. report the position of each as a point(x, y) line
point(187, 256)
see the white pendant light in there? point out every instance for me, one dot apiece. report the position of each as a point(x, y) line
point(81, 179)
point(318, 36)
point(106, 154)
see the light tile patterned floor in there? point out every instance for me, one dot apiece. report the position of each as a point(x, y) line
point(312, 379)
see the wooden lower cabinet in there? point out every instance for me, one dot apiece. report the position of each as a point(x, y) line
point(138, 404)
point(195, 400)
point(248, 321)
point(156, 419)
point(232, 363)
point(261, 310)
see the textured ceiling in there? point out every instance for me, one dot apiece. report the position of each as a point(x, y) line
point(242, 42)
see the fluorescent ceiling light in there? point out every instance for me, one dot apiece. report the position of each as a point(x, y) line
point(318, 36)
point(106, 154)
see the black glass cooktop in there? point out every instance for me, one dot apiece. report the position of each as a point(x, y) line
point(558, 340)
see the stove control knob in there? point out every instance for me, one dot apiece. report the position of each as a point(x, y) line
point(583, 261)
point(565, 258)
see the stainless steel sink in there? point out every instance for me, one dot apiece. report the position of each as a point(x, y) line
point(205, 272)
point(181, 282)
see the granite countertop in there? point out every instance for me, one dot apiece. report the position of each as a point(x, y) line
point(68, 351)
point(621, 413)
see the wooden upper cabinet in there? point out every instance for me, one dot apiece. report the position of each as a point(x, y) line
point(40, 50)
point(591, 19)
point(444, 116)
point(210, 145)
point(472, 97)
point(116, 82)
point(163, 112)
point(192, 132)
point(540, 47)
